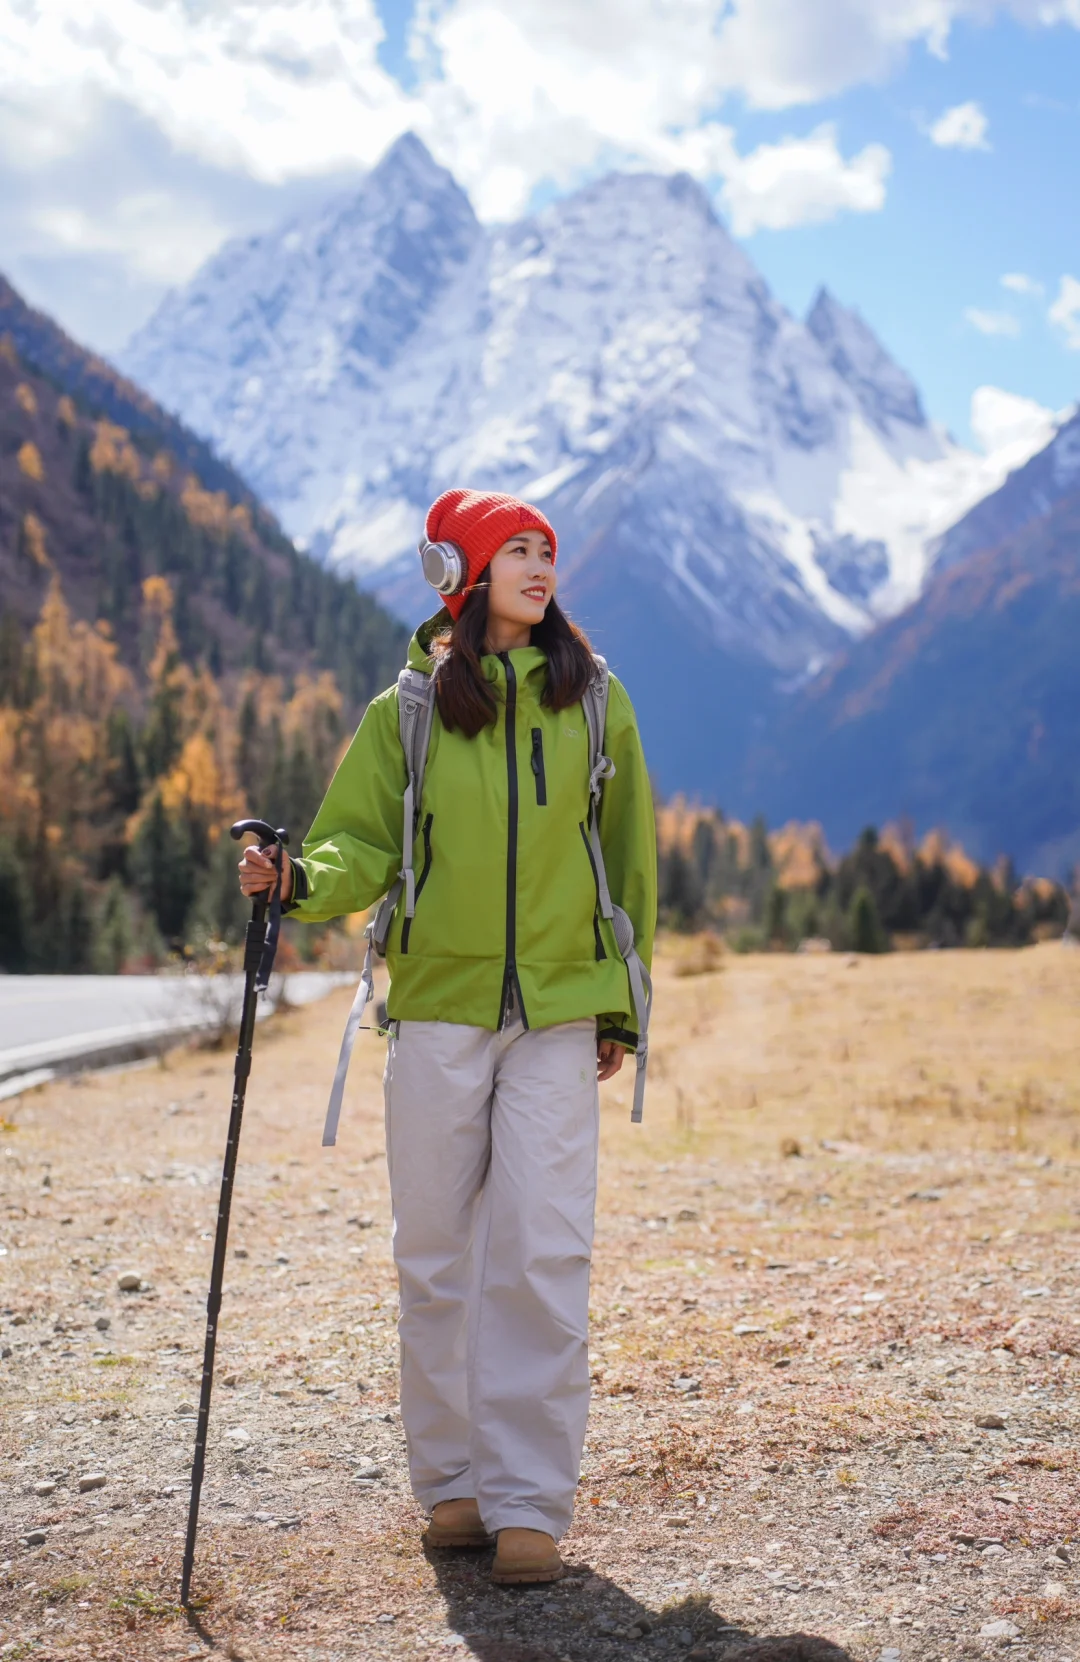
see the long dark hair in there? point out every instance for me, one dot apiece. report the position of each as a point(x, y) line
point(467, 700)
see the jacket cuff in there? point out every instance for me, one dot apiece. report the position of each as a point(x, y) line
point(299, 886)
point(619, 1035)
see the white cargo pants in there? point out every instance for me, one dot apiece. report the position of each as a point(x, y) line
point(491, 1142)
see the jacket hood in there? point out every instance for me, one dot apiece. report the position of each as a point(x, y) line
point(420, 646)
point(527, 659)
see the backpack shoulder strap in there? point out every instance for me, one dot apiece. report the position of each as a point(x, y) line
point(601, 767)
point(416, 707)
point(595, 703)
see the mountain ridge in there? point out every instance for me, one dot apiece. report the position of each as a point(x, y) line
point(101, 507)
point(93, 382)
point(557, 356)
point(964, 710)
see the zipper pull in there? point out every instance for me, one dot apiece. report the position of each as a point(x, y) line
point(537, 750)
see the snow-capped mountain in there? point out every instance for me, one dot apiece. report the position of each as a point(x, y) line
point(617, 358)
point(1028, 493)
point(281, 346)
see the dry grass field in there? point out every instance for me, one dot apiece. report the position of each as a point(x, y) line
point(835, 1346)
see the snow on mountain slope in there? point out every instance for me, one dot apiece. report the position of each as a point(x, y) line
point(1029, 488)
point(280, 345)
point(887, 395)
point(616, 357)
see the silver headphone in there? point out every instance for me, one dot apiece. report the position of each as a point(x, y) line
point(445, 566)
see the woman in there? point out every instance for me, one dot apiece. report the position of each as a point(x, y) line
point(508, 1001)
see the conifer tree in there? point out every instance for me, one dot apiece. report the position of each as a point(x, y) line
point(14, 913)
point(163, 868)
point(864, 923)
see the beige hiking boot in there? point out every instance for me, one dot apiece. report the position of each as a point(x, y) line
point(525, 1557)
point(456, 1523)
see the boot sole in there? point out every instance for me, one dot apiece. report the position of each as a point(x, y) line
point(524, 1577)
point(460, 1539)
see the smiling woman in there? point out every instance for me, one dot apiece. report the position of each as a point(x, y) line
point(512, 605)
point(511, 996)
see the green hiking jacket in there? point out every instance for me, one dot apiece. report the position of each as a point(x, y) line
point(505, 887)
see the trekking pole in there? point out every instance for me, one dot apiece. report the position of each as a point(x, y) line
point(260, 944)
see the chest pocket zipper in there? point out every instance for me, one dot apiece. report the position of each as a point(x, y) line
point(406, 928)
point(538, 767)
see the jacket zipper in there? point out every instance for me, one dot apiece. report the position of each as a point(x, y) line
point(601, 954)
point(510, 975)
point(538, 766)
point(406, 928)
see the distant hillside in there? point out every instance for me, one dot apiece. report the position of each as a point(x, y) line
point(1030, 492)
point(964, 711)
point(103, 507)
point(99, 388)
point(168, 661)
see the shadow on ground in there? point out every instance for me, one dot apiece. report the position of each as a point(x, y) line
point(587, 1617)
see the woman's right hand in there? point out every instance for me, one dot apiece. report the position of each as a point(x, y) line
point(258, 872)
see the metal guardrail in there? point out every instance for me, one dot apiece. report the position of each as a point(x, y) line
point(22, 1067)
point(98, 1048)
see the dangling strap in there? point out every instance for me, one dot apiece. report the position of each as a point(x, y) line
point(641, 988)
point(416, 708)
point(364, 994)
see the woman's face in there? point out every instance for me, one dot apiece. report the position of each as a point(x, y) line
point(522, 579)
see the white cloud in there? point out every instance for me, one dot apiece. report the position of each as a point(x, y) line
point(1018, 282)
point(803, 182)
point(964, 127)
point(156, 236)
point(510, 91)
point(1007, 426)
point(992, 323)
point(1064, 314)
point(272, 88)
point(510, 94)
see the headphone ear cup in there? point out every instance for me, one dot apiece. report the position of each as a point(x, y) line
point(445, 566)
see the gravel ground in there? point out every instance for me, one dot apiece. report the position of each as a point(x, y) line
point(834, 1346)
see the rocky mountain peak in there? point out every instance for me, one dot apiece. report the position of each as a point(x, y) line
point(886, 392)
point(617, 356)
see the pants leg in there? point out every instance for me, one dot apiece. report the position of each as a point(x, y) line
point(529, 1361)
point(438, 1087)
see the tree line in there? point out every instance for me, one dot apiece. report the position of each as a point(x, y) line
point(116, 791)
point(775, 890)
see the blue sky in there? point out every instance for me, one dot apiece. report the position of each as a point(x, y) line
point(956, 221)
point(131, 149)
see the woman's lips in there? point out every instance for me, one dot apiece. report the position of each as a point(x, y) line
point(538, 594)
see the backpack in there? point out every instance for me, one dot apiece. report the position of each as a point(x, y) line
point(416, 710)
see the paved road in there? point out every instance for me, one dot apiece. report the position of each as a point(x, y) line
point(53, 1020)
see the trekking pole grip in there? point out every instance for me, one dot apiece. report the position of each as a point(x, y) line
point(260, 944)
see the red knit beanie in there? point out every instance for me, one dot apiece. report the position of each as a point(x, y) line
point(479, 522)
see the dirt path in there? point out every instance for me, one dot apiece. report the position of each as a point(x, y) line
point(792, 1350)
